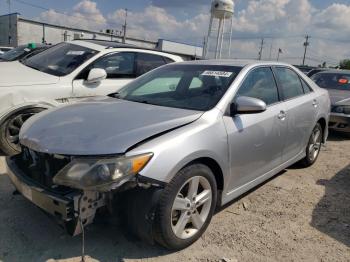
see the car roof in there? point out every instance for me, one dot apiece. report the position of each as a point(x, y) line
point(101, 45)
point(235, 62)
point(335, 71)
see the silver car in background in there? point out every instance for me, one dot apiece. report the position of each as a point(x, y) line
point(171, 146)
point(337, 83)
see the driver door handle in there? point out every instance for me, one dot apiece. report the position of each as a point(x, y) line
point(282, 115)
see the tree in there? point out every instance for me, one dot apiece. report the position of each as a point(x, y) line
point(345, 64)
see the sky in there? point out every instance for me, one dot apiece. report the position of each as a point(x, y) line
point(282, 23)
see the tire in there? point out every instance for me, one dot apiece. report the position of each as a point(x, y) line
point(167, 228)
point(9, 130)
point(313, 147)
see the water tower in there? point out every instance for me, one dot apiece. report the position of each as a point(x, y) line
point(221, 11)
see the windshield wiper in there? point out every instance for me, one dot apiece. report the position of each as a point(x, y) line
point(115, 95)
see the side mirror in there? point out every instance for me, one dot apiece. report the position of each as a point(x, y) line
point(96, 75)
point(247, 105)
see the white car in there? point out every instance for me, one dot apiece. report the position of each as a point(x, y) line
point(66, 73)
point(4, 49)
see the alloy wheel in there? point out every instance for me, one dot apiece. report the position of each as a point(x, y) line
point(191, 207)
point(14, 126)
point(315, 144)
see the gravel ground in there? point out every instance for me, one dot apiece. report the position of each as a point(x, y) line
point(300, 215)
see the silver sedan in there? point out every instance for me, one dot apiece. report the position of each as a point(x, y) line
point(171, 146)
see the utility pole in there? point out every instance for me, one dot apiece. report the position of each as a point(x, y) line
point(10, 26)
point(124, 26)
point(261, 48)
point(306, 44)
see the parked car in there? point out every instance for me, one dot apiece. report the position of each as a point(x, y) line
point(316, 70)
point(4, 49)
point(305, 69)
point(180, 140)
point(337, 82)
point(22, 52)
point(65, 73)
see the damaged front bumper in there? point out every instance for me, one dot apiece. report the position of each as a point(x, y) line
point(72, 209)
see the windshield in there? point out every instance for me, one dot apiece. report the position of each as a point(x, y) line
point(16, 53)
point(194, 87)
point(339, 81)
point(60, 60)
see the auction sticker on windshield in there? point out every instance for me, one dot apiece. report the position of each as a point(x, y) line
point(217, 73)
point(75, 53)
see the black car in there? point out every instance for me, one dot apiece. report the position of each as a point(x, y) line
point(22, 52)
point(338, 84)
point(316, 71)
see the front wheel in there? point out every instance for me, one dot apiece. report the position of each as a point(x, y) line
point(9, 130)
point(185, 207)
point(313, 147)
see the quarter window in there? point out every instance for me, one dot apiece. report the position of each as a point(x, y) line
point(306, 87)
point(289, 82)
point(260, 83)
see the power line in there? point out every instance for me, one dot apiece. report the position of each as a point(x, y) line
point(62, 13)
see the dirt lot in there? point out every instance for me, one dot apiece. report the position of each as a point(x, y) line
point(300, 215)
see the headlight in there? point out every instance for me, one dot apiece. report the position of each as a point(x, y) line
point(341, 110)
point(100, 174)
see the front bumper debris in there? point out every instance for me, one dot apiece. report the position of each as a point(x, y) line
point(67, 208)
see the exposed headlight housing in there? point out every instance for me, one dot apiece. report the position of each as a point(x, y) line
point(101, 174)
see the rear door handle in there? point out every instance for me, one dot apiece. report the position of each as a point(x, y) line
point(315, 103)
point(282, 115)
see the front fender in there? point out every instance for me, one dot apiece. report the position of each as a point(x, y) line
point(12, 103)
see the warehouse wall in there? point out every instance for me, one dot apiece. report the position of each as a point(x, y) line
point(32, 31)
point(7, 22)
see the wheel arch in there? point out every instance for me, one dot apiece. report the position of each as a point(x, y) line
point(322, 121)
point(214, 167)
point(22, 107)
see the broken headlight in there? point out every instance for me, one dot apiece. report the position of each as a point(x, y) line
point(100, 174)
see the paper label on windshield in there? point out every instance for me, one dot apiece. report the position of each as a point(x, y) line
point(217, 73)
point(75, 52)
point(26, 49)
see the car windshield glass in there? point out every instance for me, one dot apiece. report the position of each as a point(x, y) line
point(194, 87)
point(15, 53)
point(340, 81)
point(60, 60)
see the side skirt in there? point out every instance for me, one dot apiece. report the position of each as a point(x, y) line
point(246, 187)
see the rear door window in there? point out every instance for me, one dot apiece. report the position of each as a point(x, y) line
point(289, 82)
point(147, 62)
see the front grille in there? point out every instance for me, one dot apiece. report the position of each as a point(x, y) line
point(42, 167)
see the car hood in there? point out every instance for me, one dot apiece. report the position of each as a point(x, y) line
point(339, 97)
point(16, 74)
point(104, 126)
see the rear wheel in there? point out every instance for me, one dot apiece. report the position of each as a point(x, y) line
point(313, 147)
point(9, 130)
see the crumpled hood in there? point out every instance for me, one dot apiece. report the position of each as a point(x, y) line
point(339, 97)
point(17, 74)
point(104, 126)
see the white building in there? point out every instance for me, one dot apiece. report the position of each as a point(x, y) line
point(15, 30)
